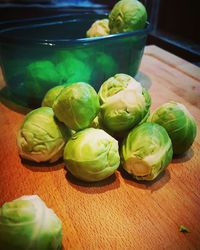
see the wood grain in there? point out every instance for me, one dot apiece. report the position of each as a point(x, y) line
point(118, 213)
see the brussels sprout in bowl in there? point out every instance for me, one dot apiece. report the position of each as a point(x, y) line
point(40, 76)
point(71, 66)
point(99, 28)
point(127, 15)
point(30, 48)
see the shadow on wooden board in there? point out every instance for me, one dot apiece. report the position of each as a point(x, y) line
point(102, 186)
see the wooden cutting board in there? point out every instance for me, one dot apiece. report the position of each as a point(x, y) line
point(118, 213)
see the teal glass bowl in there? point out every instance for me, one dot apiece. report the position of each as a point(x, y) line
point(38, 56)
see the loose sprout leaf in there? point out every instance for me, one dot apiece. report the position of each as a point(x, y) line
point(184, 229)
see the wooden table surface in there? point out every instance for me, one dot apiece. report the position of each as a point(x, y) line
point(118, 213)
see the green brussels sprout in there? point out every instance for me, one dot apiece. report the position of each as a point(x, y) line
point(99, 28)
point(127, 15)
point(82, 54)
point(71, 68)
point(77, 105)
point(124, 101)
point(40, 76)
point(179, 124)
point(106, 65)
point(85, 54)
point(91, 155)
point(27, 223)
point(51, 95)
point(41, 137)
point(146, 151)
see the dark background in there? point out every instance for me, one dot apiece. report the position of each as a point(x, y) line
point(175, 23)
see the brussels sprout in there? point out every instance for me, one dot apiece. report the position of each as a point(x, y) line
point(127, 15)
point(99, 28)
point(40, 77)
point(71, 68)
point(91, 155)
point(107, 66)
point(27, 223)
point(83, 54)
point(41, 137)
point(51, 95)
point(77, 105)
point(146, 151)
point(178, 122)
point(124, 101)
